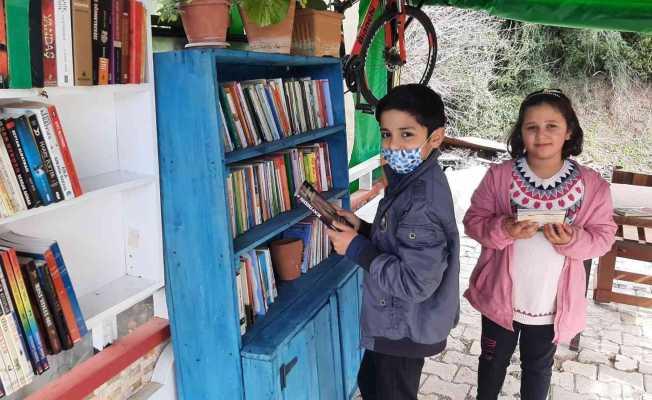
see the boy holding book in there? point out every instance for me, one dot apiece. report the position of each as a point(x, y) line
point(411, 252)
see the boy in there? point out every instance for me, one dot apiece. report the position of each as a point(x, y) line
point(411, 252)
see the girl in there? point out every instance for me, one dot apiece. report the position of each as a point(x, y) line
point(529, 283)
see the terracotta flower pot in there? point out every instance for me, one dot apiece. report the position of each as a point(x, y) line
point(205, 21)
point(317, 33)
point(275, 38)
point(287, 255)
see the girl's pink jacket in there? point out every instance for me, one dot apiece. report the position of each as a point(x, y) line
point(490, 286)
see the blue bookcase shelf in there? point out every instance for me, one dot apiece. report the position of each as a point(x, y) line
point(307, 345)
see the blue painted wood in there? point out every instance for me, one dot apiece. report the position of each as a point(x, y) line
point(349, 306)
point(197, 256)
point(264, 232)
point(265, 341)
point(212, 361)
point(285, 143)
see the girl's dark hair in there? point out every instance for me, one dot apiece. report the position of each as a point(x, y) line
point(558, 100)
point(418, 100)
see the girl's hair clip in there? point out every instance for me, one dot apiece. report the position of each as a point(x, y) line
point(547, 92)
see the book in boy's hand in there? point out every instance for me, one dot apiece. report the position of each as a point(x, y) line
point(542, 217)
point(319, 205)
point(634, 211)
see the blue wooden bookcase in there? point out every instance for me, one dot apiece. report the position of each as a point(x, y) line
point(307, 346)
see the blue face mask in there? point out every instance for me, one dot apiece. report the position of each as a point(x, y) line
point(404, 161)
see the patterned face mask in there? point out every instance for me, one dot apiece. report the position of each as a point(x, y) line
point(404, 161)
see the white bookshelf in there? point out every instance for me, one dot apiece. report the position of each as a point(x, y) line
point(111, 236)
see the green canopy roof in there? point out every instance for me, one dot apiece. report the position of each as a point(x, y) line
point(620, 15)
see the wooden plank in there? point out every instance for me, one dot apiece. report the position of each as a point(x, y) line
point(605, 276)
point(632, 277)
point(329, 377)
point(645, 222)
point(474, 143)
point(197, 245)
point(631, 300)
point(301, 380)
point(349, 306)
point(84, 378)
point(633, 250)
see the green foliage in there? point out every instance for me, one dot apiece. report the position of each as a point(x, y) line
point(168, 10)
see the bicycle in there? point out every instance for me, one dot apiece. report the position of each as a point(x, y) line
point(396, 18)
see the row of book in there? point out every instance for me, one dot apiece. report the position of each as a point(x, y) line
point(40, 312)
point(36, 167)
point(264, 187)
point(259, 110)
point(72, 42)
point(255, 280)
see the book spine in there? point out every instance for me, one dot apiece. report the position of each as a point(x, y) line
point(65, 151)
point(18, 49)
point(116, 59)
point(32, 200)
point(254, 131)
point(63, 42)
point(8, 373)
point(95, 39)
point(53, 149)
point(4, 60)
point(48, 165)
point(82, 42)
point(17, 346)
point(22, 316)
point(33, 159)
point(36, 42)
point(63, 271)
point(55, 306)
point(133, 41)
point(126, 57)
point(12, 171)
point(105, 42)
point(48, 33)
point(62, 295)
point(40, 301)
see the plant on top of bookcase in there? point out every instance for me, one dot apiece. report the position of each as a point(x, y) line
point(269, 23)
point(204, 21)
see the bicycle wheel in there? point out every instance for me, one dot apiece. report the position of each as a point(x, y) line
point(421, 53)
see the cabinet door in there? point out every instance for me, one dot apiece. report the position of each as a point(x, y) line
point(349, 303)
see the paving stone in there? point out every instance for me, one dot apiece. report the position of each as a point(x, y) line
point(612, 335)
point(455, 344)
point(608, 374)
point(476, 349)
point(427, 397)
point(588, 370)
point(625, 363)
point(648, 383)
point(466, 375)
point(633, 352)
point(471, 333)
point(645, 368)
point(563, 379)
point(455, 357)
point(473, 393)
point(610, 348)
point(585, 385)
point(511, 385)
point(593, 357)
point(442, 370)
point(455, 391)
point(559, 393)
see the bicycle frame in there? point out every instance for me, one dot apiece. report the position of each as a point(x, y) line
point(390, 33)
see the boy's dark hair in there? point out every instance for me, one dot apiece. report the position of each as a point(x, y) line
point(556, 99)
point(418, 100)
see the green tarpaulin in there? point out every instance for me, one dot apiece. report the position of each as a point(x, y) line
point(620, 15)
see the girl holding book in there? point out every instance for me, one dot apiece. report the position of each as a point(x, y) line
point(529, 283)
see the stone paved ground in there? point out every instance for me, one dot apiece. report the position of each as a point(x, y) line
point(615, 356)
point(614, 360)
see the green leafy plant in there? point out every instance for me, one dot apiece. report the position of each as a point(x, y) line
point(169, 9)
point(267, 12)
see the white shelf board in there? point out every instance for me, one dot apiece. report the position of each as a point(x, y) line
point(115, 297)
point(74, 90)
point(92, 187)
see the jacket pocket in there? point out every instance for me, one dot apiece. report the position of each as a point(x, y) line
point(416, 236)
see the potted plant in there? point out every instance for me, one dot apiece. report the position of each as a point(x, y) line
point(205, 21)
point(268, 24)
point(317, 31)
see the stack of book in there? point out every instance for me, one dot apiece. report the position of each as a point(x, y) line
point(316, 245)
point(72, 42)
point(40, 312)
point(257, 111)
point(256, 286)
point(263, 188)
point(36, 167)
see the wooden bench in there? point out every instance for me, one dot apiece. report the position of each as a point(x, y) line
point(633, 241)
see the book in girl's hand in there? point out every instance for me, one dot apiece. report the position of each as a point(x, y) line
point(318, 205)
point(634, 211)
point(542, 217)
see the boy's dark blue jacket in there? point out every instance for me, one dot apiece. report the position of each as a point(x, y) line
point(410, 255)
